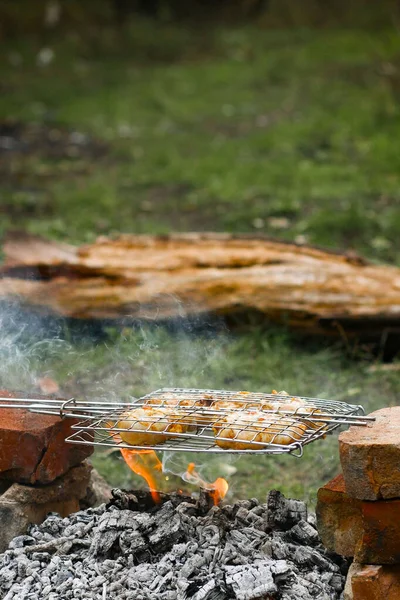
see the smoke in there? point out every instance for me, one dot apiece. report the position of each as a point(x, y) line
point(27, 342)
point(115, 363)
point(208, 468)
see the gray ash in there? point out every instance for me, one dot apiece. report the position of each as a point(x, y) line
point(179, 550)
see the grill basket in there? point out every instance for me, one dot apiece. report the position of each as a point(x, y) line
point(196, 420)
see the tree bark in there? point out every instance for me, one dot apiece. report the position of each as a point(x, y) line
point(162, 277)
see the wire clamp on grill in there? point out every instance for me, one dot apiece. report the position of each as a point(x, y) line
point(64, 405)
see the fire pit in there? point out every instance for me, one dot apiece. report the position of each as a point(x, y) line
point(145, 546)
point(132, 549)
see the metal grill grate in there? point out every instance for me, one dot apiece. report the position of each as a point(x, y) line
point(194, 420)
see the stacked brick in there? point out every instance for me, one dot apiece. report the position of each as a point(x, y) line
point(39, 471)
point(358, 512)
point(33, 448)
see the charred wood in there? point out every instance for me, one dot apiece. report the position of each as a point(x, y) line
point(165, 277)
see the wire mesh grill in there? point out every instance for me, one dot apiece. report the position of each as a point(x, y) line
point(194, 420)
point(219, 421)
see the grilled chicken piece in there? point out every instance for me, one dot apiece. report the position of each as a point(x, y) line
point(148, 426)
point(188, 409)
point(239, 430)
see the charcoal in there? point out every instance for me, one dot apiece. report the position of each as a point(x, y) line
point(7, 577)
point(109, 529)
point(209, 535)
point(283, 513)
point(335, 581)
point(21, 541)
point(132, 542)
point(250, 582)
point(166, 534)
point(209, 591)
point(278, 549)
point(249, 517)
point(178, 550)
point(303, 533)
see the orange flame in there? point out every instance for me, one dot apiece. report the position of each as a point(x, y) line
point(144, 463)
point(147, 464)
point(218, 489)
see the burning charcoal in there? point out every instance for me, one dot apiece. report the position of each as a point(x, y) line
point(173, 551)
point(248, 517)
point(228, 510)
point(245, 541)
point(279, 549)
point(141, 521)
point(304, 534)
point(210, 535)
point(250, 582)
point(165, 512)
point(123, 500)
point(321, 562)
point(132, 542)
point(51, 524)
point(142, 500)
point(216, 516)
point(283, 513)
point(229, 554)
point(205, 501)
point(246, 504)
point(297, 591)
point(260, 510)
point(62, 576)
point(308, 557)
point(179, 551)
point(209, 591)
point(108, 530)
point(186, 508)
point(166, 534)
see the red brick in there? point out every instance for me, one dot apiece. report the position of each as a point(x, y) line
point(33, 447)
point(21, 504)
point(369, 531)
point(339, 518)
point(375, 582)
point(370, 457)
point(380, 541)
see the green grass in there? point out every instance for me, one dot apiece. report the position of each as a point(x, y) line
point(227, 133)
point(292, 133)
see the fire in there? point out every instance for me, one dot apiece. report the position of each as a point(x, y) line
point(144, 463)
point(147, 464)
point(218, 489)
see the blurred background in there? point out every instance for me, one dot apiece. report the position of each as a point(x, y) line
point(275, 117)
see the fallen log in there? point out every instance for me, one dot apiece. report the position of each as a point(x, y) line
point(162, 277)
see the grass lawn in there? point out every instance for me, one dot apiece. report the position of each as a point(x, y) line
point(292, 133)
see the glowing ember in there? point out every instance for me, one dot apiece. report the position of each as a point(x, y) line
point(144, 463)
point(218, 489)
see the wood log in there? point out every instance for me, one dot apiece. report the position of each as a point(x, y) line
point(162, 277)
